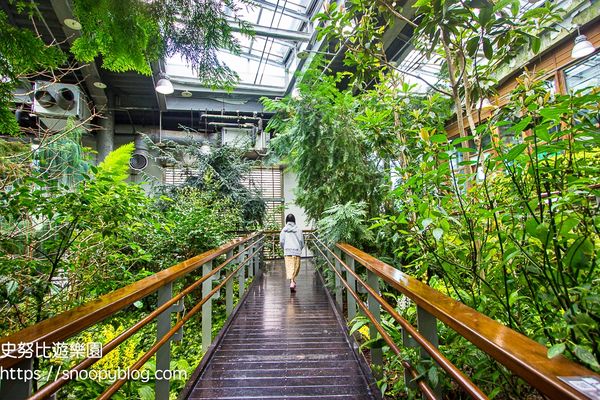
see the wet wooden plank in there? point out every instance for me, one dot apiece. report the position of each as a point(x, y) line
point(284, 345)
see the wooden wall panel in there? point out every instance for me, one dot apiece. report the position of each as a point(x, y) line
point(557, 58)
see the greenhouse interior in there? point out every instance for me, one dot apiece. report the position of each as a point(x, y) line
point(291, 199)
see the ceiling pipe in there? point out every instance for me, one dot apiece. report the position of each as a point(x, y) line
point(219, 116)
point(234, 125)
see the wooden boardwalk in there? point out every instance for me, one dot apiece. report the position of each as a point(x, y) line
point(283, 345)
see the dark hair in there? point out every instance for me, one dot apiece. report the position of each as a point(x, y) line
point(290, 218)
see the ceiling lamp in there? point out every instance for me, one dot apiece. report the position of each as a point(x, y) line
point(582, 46)
point(72, 23)
point(164, 85)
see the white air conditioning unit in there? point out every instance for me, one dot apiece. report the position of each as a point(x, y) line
point(54, 103)
point(247, 138)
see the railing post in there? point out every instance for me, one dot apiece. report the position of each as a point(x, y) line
point(427, 325)
point(338, 282)
point(256, 258)
point(375, 309)
point(408, 341)
point(352, 283)
point(250, 264)
point(241, 272)
point(163, 325)
point(206, 308)
point(18, 389)
point(229, 288)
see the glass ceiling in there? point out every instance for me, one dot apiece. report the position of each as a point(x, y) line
point(282, 28)
point(428, 70)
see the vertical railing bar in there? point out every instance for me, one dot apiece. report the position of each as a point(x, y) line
point(163, 355)
point(206, 309)
point(352, 283)
point(427, 325)
point(374, 307)
point(229, 290)
point(338, 284)
point(18, 389)
point(241, 274)
point(248, 254)
point(112, 389)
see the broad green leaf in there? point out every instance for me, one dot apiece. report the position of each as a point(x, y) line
point(586, 356)
point(485, 15)
point(555, 350)
point(426, 222)
point(357, 325)
point(543, 134)
point(521, 125)
point(439, 138)
point(513, 298)
point(501, 4)
point(472, 46)
point(462, 139)
point(580, 253)
point(535, 44)
point(376, 343)
point(146, 392)
point(568, 225)
point(11, 286)
point(530, 226)
point(488, 50)
point(542, 232)
point(432, 375)
point(553, 112)
point(515, 152)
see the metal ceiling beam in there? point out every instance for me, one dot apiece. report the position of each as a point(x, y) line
point(275, 33)
point(255, 58)
point(290, 13)
point(187, 104)
point(242, 88)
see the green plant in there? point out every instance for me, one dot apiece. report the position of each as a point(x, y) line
point(320, 137)
point(344, 223)
point(130, 34)
point(23, 52)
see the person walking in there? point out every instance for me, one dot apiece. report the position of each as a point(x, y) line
point(291, 240)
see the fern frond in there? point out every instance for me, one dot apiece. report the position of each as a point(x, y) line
point(116, 164)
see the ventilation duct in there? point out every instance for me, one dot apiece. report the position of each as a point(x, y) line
point(54, 103)
point(44, 99)
point(65, 99)
point(139, 159)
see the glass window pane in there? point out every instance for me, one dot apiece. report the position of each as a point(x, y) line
point(585, 74)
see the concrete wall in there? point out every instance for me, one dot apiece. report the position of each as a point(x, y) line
point(290, 184)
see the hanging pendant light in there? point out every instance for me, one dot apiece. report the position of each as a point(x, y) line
point(164, 85)
point(582, 47)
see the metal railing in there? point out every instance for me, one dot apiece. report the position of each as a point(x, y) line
point(521, 355)
point(247, 260)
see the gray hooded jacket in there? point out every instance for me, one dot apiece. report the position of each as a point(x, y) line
point(291, 240)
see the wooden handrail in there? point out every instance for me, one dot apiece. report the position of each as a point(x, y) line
point(52, 387)
point(461, 379)
point(73, 321)
point(423, 386)
point(523, 356)
point(112, 389)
